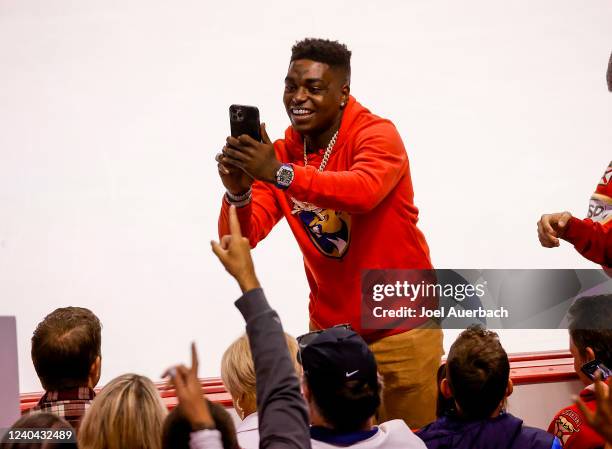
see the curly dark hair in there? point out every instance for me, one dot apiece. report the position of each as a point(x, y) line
point(332, 53)
point(477, 370)
point(590, 325)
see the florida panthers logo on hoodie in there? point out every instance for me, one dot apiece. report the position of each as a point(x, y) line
point(566, 425)
point(329, 230)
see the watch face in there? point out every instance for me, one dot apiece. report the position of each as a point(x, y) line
point(284, 176)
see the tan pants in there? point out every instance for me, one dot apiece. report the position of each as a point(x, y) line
point(408, 363)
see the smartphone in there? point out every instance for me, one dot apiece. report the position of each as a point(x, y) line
point(590, 368)
point(244, 120)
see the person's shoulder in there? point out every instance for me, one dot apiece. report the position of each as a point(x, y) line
point(532, 434)
point(394, 425)
point(366, 123)
point(572, 411)
point(378, 135)
point(604, 187)
point(397, 431)
point(36, 409)
point(248, 438)
point(249, 423)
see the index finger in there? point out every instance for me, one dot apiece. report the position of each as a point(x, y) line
point(245, 139)
point(234, 224)
point(194, 359)
point(234, 142)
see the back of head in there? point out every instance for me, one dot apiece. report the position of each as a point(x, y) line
point(127, 414)
point(238, 370)
point(45, 421)
point(477, 370)
point(332, 53)
point(590, 326)
point(341, 374)
point(64, 347)
point(177, 428)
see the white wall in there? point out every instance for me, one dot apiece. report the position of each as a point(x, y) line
point(111, 113)
point(537, 404)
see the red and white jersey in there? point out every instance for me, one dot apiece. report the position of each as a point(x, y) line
point(600, 205)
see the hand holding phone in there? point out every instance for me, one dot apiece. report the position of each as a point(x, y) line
point(243, 120)
point(590, 368)
point(249, 148)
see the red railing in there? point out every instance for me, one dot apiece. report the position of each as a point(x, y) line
point(525, 368)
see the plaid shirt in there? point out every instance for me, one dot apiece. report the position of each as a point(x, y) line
point(69, 404)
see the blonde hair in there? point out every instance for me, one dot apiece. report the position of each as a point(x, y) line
point(238, 371)
point(127, 414)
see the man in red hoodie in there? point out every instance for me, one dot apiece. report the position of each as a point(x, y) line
point(341, 178)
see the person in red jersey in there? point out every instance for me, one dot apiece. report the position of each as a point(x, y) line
point(592, 237)
point(341, 178)
point(590, 339)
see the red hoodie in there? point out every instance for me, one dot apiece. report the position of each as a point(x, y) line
point(592, 237)
point(365, 216)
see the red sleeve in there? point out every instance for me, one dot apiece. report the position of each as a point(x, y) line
point(256, 218)
point(591, 239)
point(379, 162)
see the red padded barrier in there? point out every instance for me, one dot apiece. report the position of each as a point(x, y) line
point(525, 368)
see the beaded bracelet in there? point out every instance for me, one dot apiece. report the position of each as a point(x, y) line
point(238, 200)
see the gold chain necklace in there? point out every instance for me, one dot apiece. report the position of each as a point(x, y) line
point(328, 150)
point(299, 206)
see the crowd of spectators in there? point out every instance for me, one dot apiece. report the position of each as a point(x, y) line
point(321, 390)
